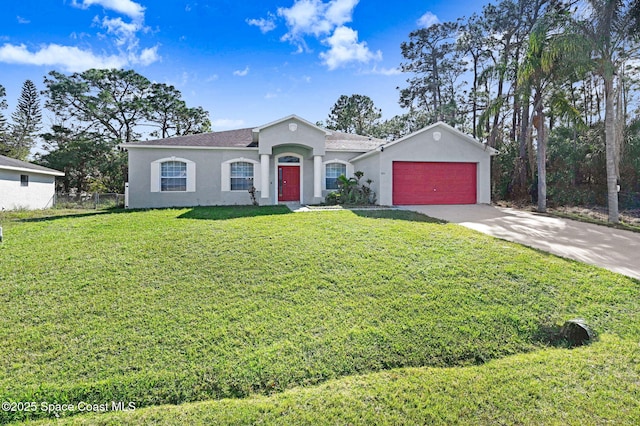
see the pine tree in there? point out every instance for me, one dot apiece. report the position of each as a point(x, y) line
point(27, 120)
point(354, 114)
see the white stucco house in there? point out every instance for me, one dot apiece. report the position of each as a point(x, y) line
point(293, 160)
point(25, 185)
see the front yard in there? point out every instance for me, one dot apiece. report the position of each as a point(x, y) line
point(402, 317)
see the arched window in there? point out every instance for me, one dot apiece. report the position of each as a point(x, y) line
point(173, 176)
point(241, 176)
point(332, 172)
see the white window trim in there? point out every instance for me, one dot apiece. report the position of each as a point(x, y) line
point(225, 178)
point(350, 171)
point(155, 175)
point(275, 179)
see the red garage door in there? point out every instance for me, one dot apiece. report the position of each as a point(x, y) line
point(434, 183)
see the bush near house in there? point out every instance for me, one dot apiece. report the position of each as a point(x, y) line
point(352, 192)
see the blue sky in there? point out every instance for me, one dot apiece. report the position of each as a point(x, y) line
point(247, 62)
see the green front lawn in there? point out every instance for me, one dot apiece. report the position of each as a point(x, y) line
point(171, 306)
point(586, 386)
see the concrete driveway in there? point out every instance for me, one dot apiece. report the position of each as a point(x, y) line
point(610, 248)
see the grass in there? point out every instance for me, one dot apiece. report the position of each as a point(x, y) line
point(586, 386)
point(174, 306)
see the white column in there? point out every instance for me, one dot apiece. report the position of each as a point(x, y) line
point(317, 176)
point(264, 171)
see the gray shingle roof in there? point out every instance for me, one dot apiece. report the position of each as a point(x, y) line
point(9, 163)
point(243, 138)
point(348, 141)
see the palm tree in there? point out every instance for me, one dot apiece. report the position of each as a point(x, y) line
point(610, 32)
point(550, 50)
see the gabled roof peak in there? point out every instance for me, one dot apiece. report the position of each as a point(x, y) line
point(291, 117)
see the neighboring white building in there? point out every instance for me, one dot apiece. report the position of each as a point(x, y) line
point(293, 160)
point(26, 186)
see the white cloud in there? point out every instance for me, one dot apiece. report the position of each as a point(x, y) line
point(265, 24)
point(147, 56)
point(340, 12)
point(124, 32)
point(69, 58)
point(345, 49)
point(324, 21)
point(304, 17)
point(227, 123)
point(125, 7)
point(241, 73)
point(427, 20)
point(22, 20)
point(385, 71)
point(212, 77)
point(314, 17)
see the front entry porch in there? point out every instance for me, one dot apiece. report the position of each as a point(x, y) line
point(286, 174)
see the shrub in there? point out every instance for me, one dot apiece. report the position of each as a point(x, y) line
point(351, 191)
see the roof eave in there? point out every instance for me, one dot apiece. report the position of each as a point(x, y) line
point(28, 170)
point(237, 148)
point(368, 153)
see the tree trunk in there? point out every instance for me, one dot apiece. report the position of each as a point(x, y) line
point(610, 149)
point(520, 188)
point(542, 155)
point(475, 96)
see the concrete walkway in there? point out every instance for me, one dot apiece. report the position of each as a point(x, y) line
point(610, 248)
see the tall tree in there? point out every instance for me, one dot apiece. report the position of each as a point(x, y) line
point(611, 31)
point(85, 158)
point(435, 65)
point(170, 114)
point(473, 43)
point(552, 57)
point(108, 107)
point(354, 114)
point(27, 120)
point(111, 102)
point(401, 125)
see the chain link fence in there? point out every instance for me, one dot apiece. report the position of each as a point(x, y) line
point(93, 201)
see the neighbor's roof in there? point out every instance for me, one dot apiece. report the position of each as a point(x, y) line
point(7, 163)
point(243, 138)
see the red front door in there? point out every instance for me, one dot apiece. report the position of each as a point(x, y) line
point(288, 183)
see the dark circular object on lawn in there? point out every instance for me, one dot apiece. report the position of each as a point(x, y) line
point(577, 332)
